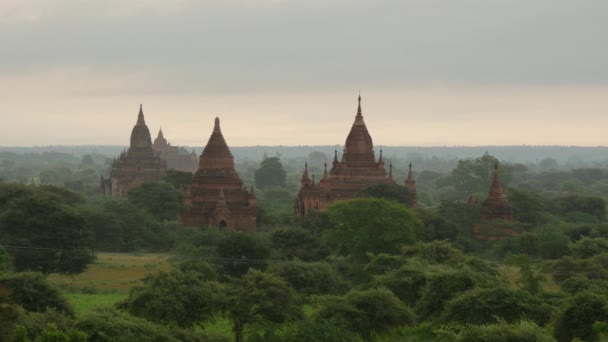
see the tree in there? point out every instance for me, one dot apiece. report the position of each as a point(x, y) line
point(179, 179)
point(297, 243)
point(259, 296)
point(48, 235)
point(310, 278)
point(370, 225)
point(33, 292)
point(160, 199)
point(476, 175)
point(576, 318)
point(367, 312)
point(270, 173)
point(440, 288)
point(486, 305)
point(588, 247)
point(391, 192)
point(242, 251)
point(175, 298)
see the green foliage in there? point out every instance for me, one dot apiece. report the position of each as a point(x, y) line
point(33, 292)
point(588, 247)
point(529, 207)
point(310, 278)
point(179, 179)
point(475, 175)
point(391, 192)
point(160, 199)
point(108, 325)
point(595, 267)
point(47, 231)
point(120, 226)
point(270, 173)
point(297, 243)
point(406, 282)
point(369, 312)
point(487, 305)
point(201, 269)
point(370, 225)
point(175, 298)
point(578, 284)
point(5, 261)
point(594, 206)
point(551, 243)
point(259, 297)
point(438, 252)
point(52, 334)
point(523, 331)
point(242, 251)
point(440, 288)
point(575, 319)
point(306, 331)
point(530, 282)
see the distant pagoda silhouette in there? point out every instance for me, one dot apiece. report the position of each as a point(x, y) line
point(135, 166)
point(497, 205)
point(175, 160)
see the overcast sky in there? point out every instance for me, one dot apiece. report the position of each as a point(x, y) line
point(431, 72)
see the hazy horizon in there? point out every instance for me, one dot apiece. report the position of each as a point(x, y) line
point(506, 73)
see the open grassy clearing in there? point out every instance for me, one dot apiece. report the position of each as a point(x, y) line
point(108, 280)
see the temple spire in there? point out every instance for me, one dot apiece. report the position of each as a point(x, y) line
point(305, 179)
point(140, 116)
point(410, 184)
point(359, 112)
point(325, 174)
point(496, 205)
point(335, 162)
point(390, 171)
point(216, 126)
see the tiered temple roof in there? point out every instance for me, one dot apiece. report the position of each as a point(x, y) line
point(496, 206)
point(137, 165)
point(216, 196)
point(357, 170)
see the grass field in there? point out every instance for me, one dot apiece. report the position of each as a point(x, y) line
point(108, 280)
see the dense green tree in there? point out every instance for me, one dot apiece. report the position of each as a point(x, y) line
point(578, 284)
point(46, 235)
point(407, 282)
point(120, 226)
point(576, 318)
point(298, 243)
point(594, 206)
point(486, 305)
point(440, 288)
point(160, 199)
point(306, 331)
point(5, 261)
point(179, 179)
point(391, 192)
point(475, 175)
point(529, 207)
point(588, 247)
point(241, 251)
point(369, 225)
point(552, 243)
point(259, 297)
point(33, 292)
point(368, 313)
point(270, 173)
point(310, 278)
point(175, 298)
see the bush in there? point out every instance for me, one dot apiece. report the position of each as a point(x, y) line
point(576, 318)
point(33, 292)
point(523, 331)
point(310, 278)
point(483, 306)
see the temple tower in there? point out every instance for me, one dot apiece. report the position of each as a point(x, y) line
point(216, 196)
point(357, 170)
point(138, 164)
point(410, 184)
point(496, 206)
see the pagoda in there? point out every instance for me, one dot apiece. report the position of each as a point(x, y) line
point(137, 165)
point(357, 170)
point(171, 154)
point(216, 196)
point(497, 205)
point(410, 185)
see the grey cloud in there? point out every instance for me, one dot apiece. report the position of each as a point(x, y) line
point(272, 45)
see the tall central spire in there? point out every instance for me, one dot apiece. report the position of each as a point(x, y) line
point(140, 116)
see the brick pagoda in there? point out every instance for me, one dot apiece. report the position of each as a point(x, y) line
point(357, 170)
point(497, 205)
point(216, 196)
point(175, 160)
point(137, 165)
